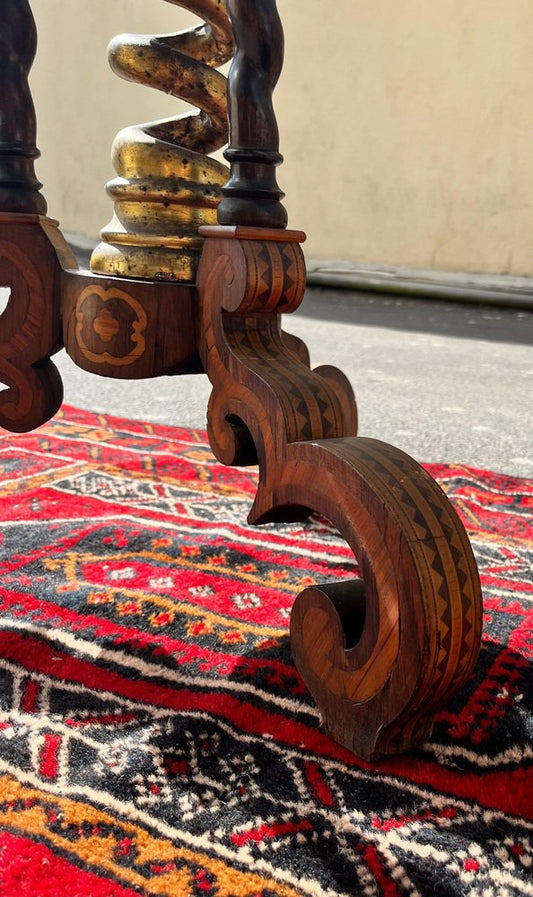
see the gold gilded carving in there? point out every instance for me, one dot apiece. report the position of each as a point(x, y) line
point(167, 183)
point(109, 326)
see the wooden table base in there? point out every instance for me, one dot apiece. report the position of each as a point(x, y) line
point(380, 653)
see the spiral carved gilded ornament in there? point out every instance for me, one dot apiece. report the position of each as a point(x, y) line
point(167, 183)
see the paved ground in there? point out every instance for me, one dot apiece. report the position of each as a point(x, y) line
point(443, 381)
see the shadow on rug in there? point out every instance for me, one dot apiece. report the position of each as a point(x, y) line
point(155, 737)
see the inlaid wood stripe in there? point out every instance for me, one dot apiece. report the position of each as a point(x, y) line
point(449, 605)
point(310, 406)
point(276, 277)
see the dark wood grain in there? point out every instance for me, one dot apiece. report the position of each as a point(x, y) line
point(252, 196)
point(19, 187)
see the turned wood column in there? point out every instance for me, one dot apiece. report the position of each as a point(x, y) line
point(252, 197)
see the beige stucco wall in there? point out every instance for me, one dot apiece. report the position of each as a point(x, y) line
point(407, 128)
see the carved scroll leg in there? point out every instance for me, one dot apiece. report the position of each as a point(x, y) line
point(379, 654)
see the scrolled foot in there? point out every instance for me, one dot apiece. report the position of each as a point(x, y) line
point(381, 653)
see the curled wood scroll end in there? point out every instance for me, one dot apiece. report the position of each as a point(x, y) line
point(383, 653)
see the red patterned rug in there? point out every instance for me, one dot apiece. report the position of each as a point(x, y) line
point(154, 735)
